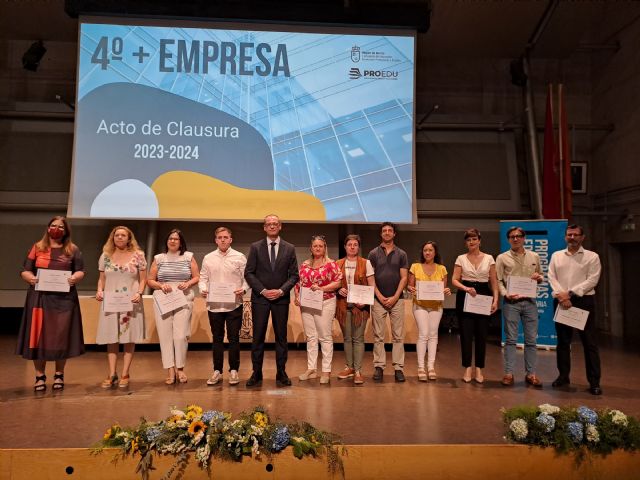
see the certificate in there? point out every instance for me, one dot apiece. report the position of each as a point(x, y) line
point(574, 317)
point(523, 286)
point(430, 290)
point(168, 302)
point(221, 292)
point(480, 304)
point(53, 280)
point(360, 294)
point(114, 302)
point(311, 299)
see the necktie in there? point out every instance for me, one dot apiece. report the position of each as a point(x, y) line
point(273, 255)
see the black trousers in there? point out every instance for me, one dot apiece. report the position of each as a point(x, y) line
point(279, 317)
point(232, 321)
point(588, 338)
point(472, 326)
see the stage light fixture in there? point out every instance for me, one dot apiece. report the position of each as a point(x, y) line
point(31, 58)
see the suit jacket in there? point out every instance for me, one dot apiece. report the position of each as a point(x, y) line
point(259, 275)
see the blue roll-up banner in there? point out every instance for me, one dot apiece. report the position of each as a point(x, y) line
point(543, 237)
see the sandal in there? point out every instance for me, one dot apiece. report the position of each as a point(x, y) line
point(182, 377)
point(124, 381)
point(40, 387)
point(170, 380)
point(58, 381)
point(110, 382)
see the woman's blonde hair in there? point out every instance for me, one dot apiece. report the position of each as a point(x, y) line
point(110, 246)
point(68, 246)
point(326, 249)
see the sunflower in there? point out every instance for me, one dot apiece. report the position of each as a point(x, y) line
point(194, 408)
point(261, 419)
point(196, 427)
point(107, 434)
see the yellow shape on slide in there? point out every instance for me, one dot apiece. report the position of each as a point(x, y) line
point(191, 195)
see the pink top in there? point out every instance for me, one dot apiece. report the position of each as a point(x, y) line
point(321, 276)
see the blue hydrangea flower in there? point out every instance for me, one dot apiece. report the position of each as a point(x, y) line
point(280, 438)
point(153, 433)
point(575, 431)
point(547, 421)
point(210, 415)
point(587, 415)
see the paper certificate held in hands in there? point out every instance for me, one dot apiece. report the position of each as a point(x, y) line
point(115, 302)
point(310, 299)
point(53, 280)
point(430, 290)
point(360, 294)
point(221, 292)
point(480, 304)
point(573, 317)
point(168, 302)
point(523, 286)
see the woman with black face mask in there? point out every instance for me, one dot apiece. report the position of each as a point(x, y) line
point(51, 328)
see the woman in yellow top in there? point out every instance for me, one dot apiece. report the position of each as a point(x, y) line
point(427, 312)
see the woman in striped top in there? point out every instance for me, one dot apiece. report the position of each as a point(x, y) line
point(174, 269)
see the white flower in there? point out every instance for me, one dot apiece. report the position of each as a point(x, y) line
point(519, 429)
point(592, 433)
point(619, 418)
point(178, 413)
point(548, 409)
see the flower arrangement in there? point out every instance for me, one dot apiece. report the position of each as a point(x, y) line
point(214, 434)
point(572, 429)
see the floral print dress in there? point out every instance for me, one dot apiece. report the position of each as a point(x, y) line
point(121, 327)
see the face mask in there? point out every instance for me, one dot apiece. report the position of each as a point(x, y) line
point(55, 233)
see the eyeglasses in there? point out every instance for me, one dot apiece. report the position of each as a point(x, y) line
point(272, 224)
point(59, 227)
point(516, 237)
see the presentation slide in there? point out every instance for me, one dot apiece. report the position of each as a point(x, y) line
point(198, 121)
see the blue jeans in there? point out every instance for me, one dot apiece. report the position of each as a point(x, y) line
point(527, 312)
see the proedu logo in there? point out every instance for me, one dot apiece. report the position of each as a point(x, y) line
point(354, 73)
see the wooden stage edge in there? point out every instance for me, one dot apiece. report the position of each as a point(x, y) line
point(361, 462)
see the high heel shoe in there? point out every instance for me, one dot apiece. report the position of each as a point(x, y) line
point(58, 381)
point(40, 387)
point(110, 382)
point(124, 381)
point(466, 378)
point(479, 378)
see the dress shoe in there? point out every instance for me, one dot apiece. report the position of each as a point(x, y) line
point(507, 380)
point(254, 381)
point(595, 390)
point(283, 380)
point(532, 380)
point(377, 374)
point(399, 374)
point(560, 382)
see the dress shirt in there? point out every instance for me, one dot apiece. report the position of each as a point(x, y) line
point(578, 273)
point(519, 265)
point(277, 246)
point(223, 268)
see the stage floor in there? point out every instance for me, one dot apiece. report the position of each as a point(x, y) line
point(446, 411)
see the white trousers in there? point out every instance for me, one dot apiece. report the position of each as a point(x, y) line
point(318, 329)
point(174, 330)
point(428, 321)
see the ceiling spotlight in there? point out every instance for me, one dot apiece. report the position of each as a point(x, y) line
point(31, 58)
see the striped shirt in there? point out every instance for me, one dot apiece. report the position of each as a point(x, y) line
point(174, 268)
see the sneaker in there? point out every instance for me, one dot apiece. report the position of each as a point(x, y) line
point(234, 379)
point(422, 375)
point(357, 378)
point(377, 375)
point(346, 373)
point(308, 374)
point(216, 376)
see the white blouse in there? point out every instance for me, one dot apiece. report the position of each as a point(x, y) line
point(472, 274)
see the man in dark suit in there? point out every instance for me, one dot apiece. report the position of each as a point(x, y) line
point(271, 272)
